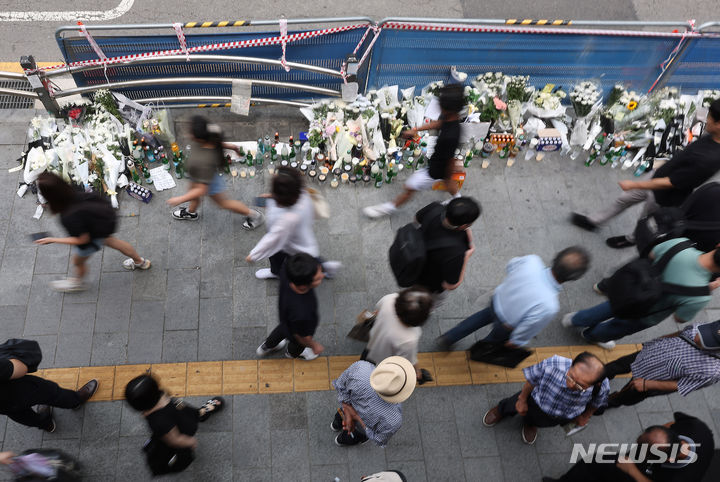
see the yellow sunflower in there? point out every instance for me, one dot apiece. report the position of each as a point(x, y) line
point(632, 105)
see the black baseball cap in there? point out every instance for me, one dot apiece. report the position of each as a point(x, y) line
point(709, 334)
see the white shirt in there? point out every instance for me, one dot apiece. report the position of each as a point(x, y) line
point(289, 229)
point(389, 336)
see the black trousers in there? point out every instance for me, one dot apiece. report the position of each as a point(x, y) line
point(276, 262)
point(278, 335)
point(534, 417)
point(30, 390)
point(627, 395)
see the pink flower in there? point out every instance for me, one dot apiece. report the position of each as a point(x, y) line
point(499, 105)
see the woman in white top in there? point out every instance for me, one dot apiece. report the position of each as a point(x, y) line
point(397, 327)
point(289, 215)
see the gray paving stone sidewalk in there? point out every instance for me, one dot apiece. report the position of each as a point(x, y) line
point(201, 301)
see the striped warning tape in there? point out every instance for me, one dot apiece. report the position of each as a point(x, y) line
point(433, 27)
point(224, 23)
point(205, 106)
point(529, 21)
point(258, 42)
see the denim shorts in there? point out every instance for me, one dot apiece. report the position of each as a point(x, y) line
point(94, 246)
point(217, 185)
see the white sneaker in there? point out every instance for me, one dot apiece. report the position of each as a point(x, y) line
point(265, 273)
point(607, 345)
point(331, 268)
point(566, 320)
point(379, 210)
point(262, 350)
point(129, 264)
point(68, 285)
point(307, 354)
point(255, 219)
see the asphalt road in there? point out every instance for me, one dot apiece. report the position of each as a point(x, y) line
point(28, 26)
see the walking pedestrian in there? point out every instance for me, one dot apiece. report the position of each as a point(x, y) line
point(19, 392)
point(440, 164)
point(205, 160)
point(682, 363)
point(90, 221)
point(397, 327)
point(370, 398)
point(526, 301)
point(290, 215)
point(557, 391)
point(667, 186)
point(688, 268)
point(173, 423)
point(297, 309)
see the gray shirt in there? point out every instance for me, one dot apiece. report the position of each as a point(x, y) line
point(202, 163)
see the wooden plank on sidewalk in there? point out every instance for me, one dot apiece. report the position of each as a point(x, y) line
point(204, 378)
point(425, 360)
point(548, 351)
point(125, 373)
point(106, 381)
point(275, 376)
point(311, 375)
point(339, 364)
point(65, 377)
point(516, 374)
point(240, 376)
point(172, 377)
point(452, 368)
point(483, 373)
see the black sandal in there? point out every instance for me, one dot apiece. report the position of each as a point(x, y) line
point(210, 407)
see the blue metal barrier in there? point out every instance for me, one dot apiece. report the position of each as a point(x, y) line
point(697, 66)
point(326, 51)
point(418, 57)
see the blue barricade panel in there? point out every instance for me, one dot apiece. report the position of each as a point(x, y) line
point(327, 51)
point(699, 66)
point(416, 57)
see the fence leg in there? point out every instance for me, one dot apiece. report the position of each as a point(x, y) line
point(39, 83)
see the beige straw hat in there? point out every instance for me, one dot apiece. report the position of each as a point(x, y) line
point(394, 379)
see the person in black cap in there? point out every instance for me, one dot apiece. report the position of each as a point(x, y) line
point(681, 363)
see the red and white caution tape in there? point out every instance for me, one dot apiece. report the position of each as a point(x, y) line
point(376, 31)
point(181, 39)
point(283, 36)
point(92, 42)
point(435, 27)
point(238, 44)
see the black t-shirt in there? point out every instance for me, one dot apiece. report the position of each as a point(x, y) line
point(185, 418)
point(704, 206)
point(702, 436)
point(298, 313)
point(6, 369)
point(89, 214)
point(688, 169)
point(442, 264)
point(447, 143)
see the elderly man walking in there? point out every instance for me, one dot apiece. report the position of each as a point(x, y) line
point(557, 391)
point(682, 363)
point(526, 301)
point(370, 398)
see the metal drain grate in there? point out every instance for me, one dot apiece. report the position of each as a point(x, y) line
point(14, 102)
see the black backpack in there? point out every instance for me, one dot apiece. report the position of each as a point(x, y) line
point(669, 223)
point(104, 217)
point(635, 287)
point(408, 251)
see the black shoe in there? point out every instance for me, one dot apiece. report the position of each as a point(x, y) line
point(86, 392)
point(336, 424)
point(619, 242)
point(442, 343)
point(47, 411)
point(582, 221)
point(345, 439)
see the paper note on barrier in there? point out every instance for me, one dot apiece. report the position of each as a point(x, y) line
point(241, 93)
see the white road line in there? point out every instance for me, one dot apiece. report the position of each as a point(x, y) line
point(96, 15)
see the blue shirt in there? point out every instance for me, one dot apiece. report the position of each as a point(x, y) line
point(527, 300)
point(382, 419)
point(554, 397)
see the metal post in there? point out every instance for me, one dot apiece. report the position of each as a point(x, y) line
point(39, 82)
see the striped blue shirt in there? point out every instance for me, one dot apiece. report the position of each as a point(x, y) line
point(552, 394)
point(382, 419)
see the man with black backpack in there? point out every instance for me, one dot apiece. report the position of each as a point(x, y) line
point(667, 186)
point(435, 253)
point(674, 280)
point(684, 362)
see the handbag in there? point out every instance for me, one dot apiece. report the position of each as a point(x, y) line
point(27, 351)
point(498, 354)
point(361, 330)
point(322, 208)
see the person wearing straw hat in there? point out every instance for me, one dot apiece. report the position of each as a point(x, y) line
point(370, 397)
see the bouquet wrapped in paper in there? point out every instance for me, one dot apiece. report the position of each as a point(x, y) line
point(547, 103)
point(586, 101)
point(492, 83)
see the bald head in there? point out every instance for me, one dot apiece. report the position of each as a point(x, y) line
point(570, 264)
point(587, 370)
